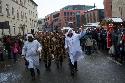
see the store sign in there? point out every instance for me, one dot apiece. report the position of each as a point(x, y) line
point(4, 25)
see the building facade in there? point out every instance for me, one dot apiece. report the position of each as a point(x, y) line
point(21, 15)
point(118, 8)
point(72, 15)
point(108, 8)
point(48, 22)
point(68, 16)
point(56, 20)
point(71, 18)
point(93, 16)
point(41, 24)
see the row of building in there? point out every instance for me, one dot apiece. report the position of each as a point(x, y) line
point(114, 8)
point(79, 15)
point(18, 17)
point(71, 15)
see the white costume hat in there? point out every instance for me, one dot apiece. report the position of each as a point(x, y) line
point(29, 35)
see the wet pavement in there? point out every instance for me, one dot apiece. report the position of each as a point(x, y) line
point(95, 68)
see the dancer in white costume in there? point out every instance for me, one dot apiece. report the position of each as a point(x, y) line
point(72, 45)
point(31, 52)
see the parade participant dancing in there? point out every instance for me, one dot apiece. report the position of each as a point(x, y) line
point(72, 45)
point(31, 53)
point(46, 52)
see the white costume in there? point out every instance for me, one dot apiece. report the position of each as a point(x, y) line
point(73, 45)
point(30, 50)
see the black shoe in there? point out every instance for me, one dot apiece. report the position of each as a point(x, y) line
point(33, 78)
point(76, 70)
point(57, 66)
point(48, 69)
point(72, 73)
point(38, 72)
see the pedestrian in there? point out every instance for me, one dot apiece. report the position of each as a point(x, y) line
point(1, 50)
point(47, 51)
point(15, 50)
point(31, 53)
point(89, 44)
point(7, 43)
point(72, 45)
point(59, 49)
point(115, 42)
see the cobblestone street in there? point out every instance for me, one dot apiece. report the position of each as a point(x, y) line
point(95, 68)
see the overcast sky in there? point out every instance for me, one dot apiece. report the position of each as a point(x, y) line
point(46, 7)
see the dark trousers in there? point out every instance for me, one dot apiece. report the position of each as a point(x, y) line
point(26, 63)
point(117, 52)
point(32, 71)
point(9, 53)
point(1, 57)
point(15, 57)
point(99, 44)
point(122, 55)
point(83, 47)
point(59, 61)
point(88, 48)
point(47, 63)
point(73, 68)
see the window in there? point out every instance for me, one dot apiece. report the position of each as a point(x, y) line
point(70, 13)
point(29, 11)
point(73, 13)
point(16, 1)
point(7, 10)
point(12, 11)
point(67, 19)
point(120, 10)
point(94, 17)
point(70, 18)
point(14, 31)
point(73, 18)
point(24, 2)
point(25, 16)
point(0, 6)
point(30, 21)
point(87, 18)
point(90, 17)
point(21, 15)
point(67, 13)
point(17, 14)
point(34, 24)
point(21, 3)
point(33, 14)
point(64, 13)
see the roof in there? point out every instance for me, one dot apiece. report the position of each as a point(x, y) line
point(77, 7)
point(66, 28)
point(33, 2)
point(92, 25)
point(115, 19)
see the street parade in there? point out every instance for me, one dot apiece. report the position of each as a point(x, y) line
point(62, 41)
